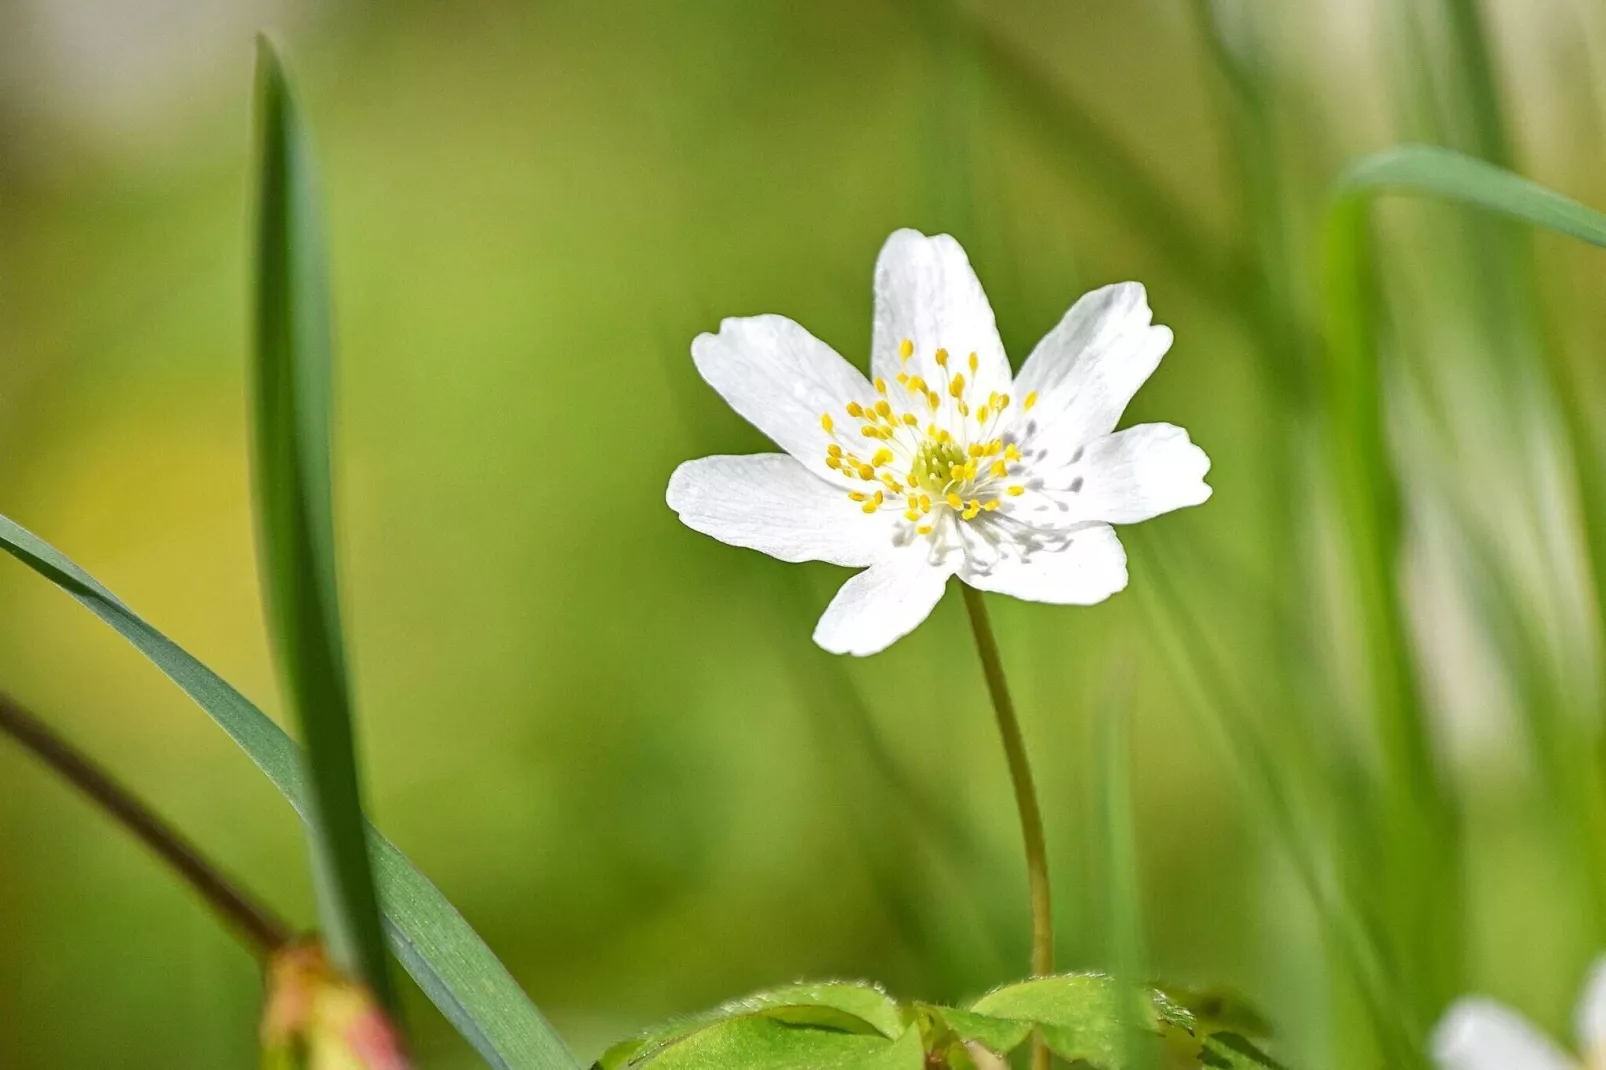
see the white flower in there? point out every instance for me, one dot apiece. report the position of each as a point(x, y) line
point(944, 464)
point(1480, 1034)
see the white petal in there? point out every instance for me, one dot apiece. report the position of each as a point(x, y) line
point(1124, 478)
point(1592, 1011)
point(926, 292)
point(781, 379)
point(882, 604)
point(1089, 568)
point(1085, 371)
point(769, 502)
point(1480, 1034)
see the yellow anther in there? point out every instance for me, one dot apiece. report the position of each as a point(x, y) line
point(1012, 451)
point(970, 470)
point(1003, 402)
point(982, 414)
point(858, 496)
point(906, 349)
point(974, 449)
point(925, 503)
point(911, 419)
point(924, 529)
point(991, 505)
point(916, 385)
point(825, 422)
point(855, 410)
point(903, 378)
point(932, 402)
point(957, 387)
point(870, 431)
point(834, 450)
point(866, 472)
point(964, 409)
point(1000, 469)
point(954, 501)
point(971, 509)
point(911, 514)
point(882, 456)
point(1016, 491)
point(870, 507)
point(995, 447)
point(973, 363)
point(914, 480)
point(891, 483)
point(944, 436)
point(833, 462)
point(1031, 399)
point(942, 358)
point(880, 385)
point(957, 473)
point(882, 409)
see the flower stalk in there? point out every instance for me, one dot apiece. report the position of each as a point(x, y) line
point(262, 931)
point(1020, 775)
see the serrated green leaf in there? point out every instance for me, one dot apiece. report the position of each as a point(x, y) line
point(997, 1034)
point(843, 1006)
point(1079, 1016)
point(296, 528)
point(759, 1041)
point(430, 938)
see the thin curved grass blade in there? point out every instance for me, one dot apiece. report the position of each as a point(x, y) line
point(434, 943)
point(296, 527)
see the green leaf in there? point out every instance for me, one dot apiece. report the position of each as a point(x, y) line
point(760, 1042)
point(840, 1006)
point(296, 525)
point(1454, 176)
point(1079, 1015)
point(430, 938)
point(1001, 1035)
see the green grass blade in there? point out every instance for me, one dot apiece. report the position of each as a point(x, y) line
point(1449, 176)
point(1453, 176)
point(296, 524)
point(430, 938)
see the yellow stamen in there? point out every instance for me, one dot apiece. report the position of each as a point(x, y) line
point(903, 378)
point(911, 514)
point(911, 419)
point(834, 450)
point(974, 449)
point(971, 509)
point(882, 409)
point(858, 496)
point(833, 462)
point(931, 401)
point(866, 472)
point(957, 387)
point(1000, 469)
point(1012, 451)
point(880, 385)
point(942, 358)
point(924, 529)
point(882, 456)
point(1016, 491)
point(954, 501)
point(1031, 399)
point(825, 422)
point(973, 363)
point(990, 506)
point(964, 409)
point(906, 349)
point(855, 410)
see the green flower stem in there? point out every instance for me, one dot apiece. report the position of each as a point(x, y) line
point(1020, 774)
point(263, 931)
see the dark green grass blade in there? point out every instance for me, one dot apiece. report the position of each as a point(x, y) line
point(296, 528)
point(444, 955)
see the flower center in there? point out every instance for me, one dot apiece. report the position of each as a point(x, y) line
point(931, 453)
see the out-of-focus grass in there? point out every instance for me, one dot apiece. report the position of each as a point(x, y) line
point(609, 740)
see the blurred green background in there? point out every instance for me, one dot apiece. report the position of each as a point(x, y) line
point(609, 740)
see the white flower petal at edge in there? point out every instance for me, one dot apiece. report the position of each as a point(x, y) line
point(771, 503)
point(1090, 568)
point(943, 464)
point(1480, 1034)
point(779, 378)
point(881, 605)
